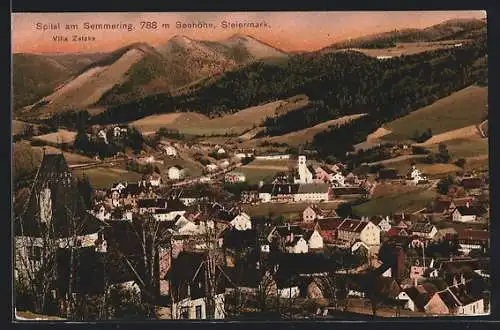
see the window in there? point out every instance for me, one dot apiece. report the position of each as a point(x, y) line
point(35, 253)
point(198, 312)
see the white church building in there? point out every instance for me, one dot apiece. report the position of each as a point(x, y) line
point(305, 174)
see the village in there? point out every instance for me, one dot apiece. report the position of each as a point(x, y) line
point(212, 245)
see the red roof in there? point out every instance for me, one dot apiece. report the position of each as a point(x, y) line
point(397, 231)
point(330, 223)
point(352, 225)
point(474, 234)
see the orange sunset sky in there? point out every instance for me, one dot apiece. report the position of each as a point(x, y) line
point(290, 31)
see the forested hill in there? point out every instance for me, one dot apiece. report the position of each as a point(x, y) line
point(448, 30)
point(337, 83)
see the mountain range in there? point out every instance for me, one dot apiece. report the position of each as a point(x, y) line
point(46, 84)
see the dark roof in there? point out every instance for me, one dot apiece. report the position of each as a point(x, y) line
point(330, 223)
point(313, 188)
point(280, 189)
point(471, 182)
point(471, 210)
point(349, 191)
point(152, 202)
point(419, 297)
point(353, 225)
point(421, 227)
point(132, 189)
point(302, 264)
point(284, 231)
point(66, 203)
point(239, 238)
point(397, 231)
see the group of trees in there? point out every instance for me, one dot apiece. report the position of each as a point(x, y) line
point(421, 137)
point(94, 145)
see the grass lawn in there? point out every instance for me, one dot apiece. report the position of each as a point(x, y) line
point(104, 177)
point(61, 136)
point(460, 109)
point(194, 169)
point(254, 175)
point(404, 202)
point(289, 210)
point(465, 148)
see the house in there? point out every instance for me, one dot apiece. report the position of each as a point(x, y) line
point(119, 131)
point(352, 230)
point(397, 232)
point(337, 180)
point(327, 228)
point(149, 160)
point(417, 297)
point(151, 205)
point(211, 167)
point(188, 287)
point(468, 213)
point(173, 209)
point(471, 183)
point(241, 222)
point(224, 163)
point(176, 172)
point(154, 180)
point(473, 239)
point(462, 298)
point(297, 245)
point(290, 239)
point(102, 211)
point(234, 177)
point(273, 156)
point(314, 192)
point(313, 239)
point(423, 229)
point(445, 233)
point(304, 172)
point(323, 174)
point(416, 175)
point(170, 151)
point(102, 135)
point(384, 57)
point(382, 222)
point(221, 151)
point(191, 196)
point(118, 186)
point(278, 192)
point(313, 212)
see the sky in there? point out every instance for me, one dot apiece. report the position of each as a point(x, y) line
point(290, 31)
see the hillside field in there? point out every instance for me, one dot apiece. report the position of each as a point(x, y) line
point(402, 202)
point(307, 134)
point(463, 108)
point(104, 177)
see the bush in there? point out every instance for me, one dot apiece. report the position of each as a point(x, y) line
point(419, 150)
point(38, 143)
point(460, 162)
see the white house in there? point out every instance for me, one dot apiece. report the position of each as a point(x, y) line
point(221, 151)
point(184, 226)
point(423, 229)
point(314, 240)
point(102, 212)
point(382, 222)
point(468, 213)
point(224, 163)
point(170, 151)
point(118, 187)
point(242, 222)
point(155, 180)
point(384, 57)
point(312, 192)
point(102, 135)
point(176, 172)
point(352, 230)
point(297, 245)
point(211, 167)
point(338, 178)
point(416, 175)
point(305, 174)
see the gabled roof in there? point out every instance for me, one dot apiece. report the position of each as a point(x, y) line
point(422, 227)
point(309, 188)
point(477, 210)
point(474, 235)
point(330, 223)
point(152, 202)
point(284, 231)
point(353, 225)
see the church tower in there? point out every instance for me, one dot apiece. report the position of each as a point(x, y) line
point(305, 176)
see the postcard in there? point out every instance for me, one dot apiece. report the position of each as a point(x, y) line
point(250, 165)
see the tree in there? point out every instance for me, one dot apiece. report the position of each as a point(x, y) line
point(82, 142)
point(444, 184)
point(443, 155)
point(85, 190)
point(460, 162)
point(344, 210)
